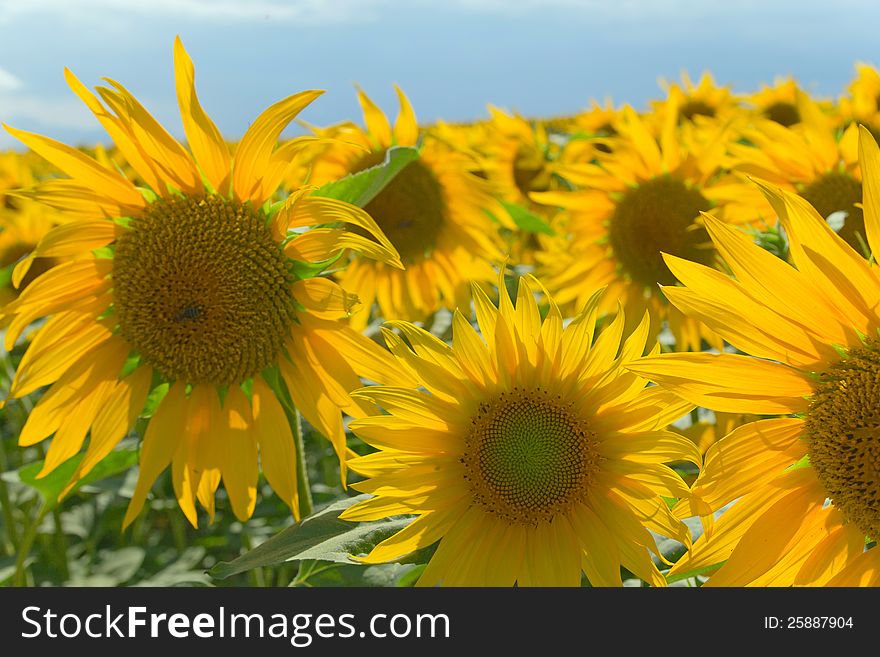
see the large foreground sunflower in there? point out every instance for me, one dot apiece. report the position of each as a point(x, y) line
point(188, 288)
point(432, 212)
point(806, 485)
point(531, 455)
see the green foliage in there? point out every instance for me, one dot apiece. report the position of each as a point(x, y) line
point(321, 537)
point(527, 220)
point(362, 187)
point(50, 486)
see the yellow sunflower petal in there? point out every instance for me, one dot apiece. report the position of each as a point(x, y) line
point(82, 168)
point(238, 458)
point(161, 440)
point(277, 448)
point(255, 148)
point(205, 140)
point(733, 383)
point(406, 128)
point(869, 162)
point(377, 122)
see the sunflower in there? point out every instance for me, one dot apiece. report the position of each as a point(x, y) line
point(529, 454)
point(804, 485)
point(642, 198)
point(22, 224)
point(778, 103)
point(814, 159)
point(432, 212)
point(700, 103)
point(863, 102)
point(187, 291)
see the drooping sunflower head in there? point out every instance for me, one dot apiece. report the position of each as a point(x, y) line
point(196, 290)
point(525, 450)
point(432, 212)
point(804, 483)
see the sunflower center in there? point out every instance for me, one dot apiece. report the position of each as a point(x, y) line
point(693, 108)
point(202, 291)
point(843, 433)
point(839, 192)
point(784, 114)
point(658, 216)
point(528, 457)
point(529, 172)
point(411, 211)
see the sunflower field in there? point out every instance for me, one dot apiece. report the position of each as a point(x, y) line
point(626, 347)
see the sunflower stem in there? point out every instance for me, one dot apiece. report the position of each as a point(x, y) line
point(304, 489)
point(25, 547)
point(61, 545)
point(11, 535)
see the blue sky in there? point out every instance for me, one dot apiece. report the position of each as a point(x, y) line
point(545, 57)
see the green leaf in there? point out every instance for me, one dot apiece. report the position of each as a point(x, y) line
point(303, 270)
point(322, 537)
point(362, 187)
point(6, 274)
point(50, 486)
point(526, 220)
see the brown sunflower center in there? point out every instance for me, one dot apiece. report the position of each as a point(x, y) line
point(843, 432)
point(783, 113)
point(202, 291)
point(529, 171)
point(528, 456)
point(411, 211)
point(658, 216)
point(839, 192)
point(695, 107)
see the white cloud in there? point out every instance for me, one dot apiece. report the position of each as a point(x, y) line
point(124, 13)
point(8, 82)
point(301, 11)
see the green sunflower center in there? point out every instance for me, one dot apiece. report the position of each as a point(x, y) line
point(695, 107)
point(528, 456)
point(843, 433)
point(784, 114)
point(658, 216)
point(839, 192)
point(202, 291)
point(529, 171)
point(411, 210)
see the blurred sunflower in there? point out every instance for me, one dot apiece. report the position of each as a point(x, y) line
point(643, 197)
point(778, 103)
point(531, 455)
point(432, 212)
point(806, 485)
point(862, 104)
point(188, 287)
point(700, 102)
point(520, 157)
point(813, 159)
point(22, 224)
